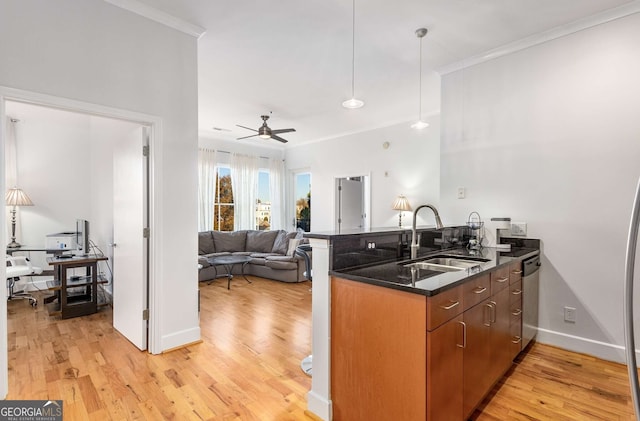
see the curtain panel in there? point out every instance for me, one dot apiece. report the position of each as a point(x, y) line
point(276, 193)
point(206, 188)
point(244, 183)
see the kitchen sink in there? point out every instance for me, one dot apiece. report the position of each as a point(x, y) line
point(434, 267)
point(446, 264)
point(453, 261)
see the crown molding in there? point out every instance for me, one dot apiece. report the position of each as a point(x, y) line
point(542, 37)
point(157, 15)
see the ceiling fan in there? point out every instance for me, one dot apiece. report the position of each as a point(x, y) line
point(266, 132)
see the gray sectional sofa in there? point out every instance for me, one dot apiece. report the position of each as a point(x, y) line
point(272, 253)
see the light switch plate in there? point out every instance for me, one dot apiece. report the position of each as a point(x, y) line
point(461, 193)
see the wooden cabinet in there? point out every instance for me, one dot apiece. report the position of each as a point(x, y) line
point(477, 355)
point(378, 352)
point(445, 371)
point(516, 293)
point(399, 355)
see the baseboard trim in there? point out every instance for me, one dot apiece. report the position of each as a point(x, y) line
point(199, 341)
point(180, 339)
point(599, 349)
point(320, 407)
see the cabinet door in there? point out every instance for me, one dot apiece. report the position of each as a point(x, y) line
point(477, 355)
point(378, 352)
point(500, 334)
point(444, 371)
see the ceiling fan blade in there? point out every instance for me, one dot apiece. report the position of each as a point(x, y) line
point(282, 131)
point(248, 128)
point(246, 137)
point(278, 138)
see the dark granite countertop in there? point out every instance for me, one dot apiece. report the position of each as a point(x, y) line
point(397, 275)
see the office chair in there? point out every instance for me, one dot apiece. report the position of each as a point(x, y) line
point(18, 266)
point(303, 251)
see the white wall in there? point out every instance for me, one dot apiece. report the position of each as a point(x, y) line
point(550, 136)
point(72, 152)
point(410, 166)
point(92, 51)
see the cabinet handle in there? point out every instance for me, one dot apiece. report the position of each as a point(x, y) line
point(493, 311)
point(488, 324)
point(479, 290)
point(517, 312)
point(517, 272)
point(516, 292)
point(501, 280)
point(517, 340)
point(450, 306)
point(464, 335)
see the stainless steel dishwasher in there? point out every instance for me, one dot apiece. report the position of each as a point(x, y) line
point(530, 288)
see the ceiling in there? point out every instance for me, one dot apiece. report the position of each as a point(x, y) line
point(293, 58)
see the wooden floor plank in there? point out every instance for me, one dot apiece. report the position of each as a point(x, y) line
point(247, 366)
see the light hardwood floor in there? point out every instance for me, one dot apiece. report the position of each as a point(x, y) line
point(247, 367)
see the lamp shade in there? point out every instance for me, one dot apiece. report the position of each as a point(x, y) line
point(16, 197)
point(401, 204)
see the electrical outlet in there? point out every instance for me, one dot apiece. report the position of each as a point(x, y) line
point(570, 314)
point(371, 245)
point(461, 193)
point(519, 228)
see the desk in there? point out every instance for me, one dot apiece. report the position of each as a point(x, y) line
point(74, 295)
point(55, 252)
point(228, 262)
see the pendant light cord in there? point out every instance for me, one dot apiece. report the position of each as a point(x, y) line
point(353, 51)
point(420, 85)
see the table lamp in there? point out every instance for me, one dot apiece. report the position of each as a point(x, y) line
point(401, 204)
point(15, 197)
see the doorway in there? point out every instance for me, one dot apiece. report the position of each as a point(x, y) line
point(7, 96)
point(352, 203)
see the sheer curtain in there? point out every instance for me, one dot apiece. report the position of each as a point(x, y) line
point(206, 188)
point(244, 183)
point(276, 193)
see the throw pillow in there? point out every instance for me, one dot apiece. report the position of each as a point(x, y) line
point(281, 244)
point(261, 241)
point(205, 243)
point(293, 244)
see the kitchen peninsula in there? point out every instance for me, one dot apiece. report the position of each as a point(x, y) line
point(411, 339)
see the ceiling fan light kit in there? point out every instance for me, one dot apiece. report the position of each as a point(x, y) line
point(265, 132)
point(353, 103)
point(419, 125)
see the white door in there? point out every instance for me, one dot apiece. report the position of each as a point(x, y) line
point(350, 200)
point(130, 272)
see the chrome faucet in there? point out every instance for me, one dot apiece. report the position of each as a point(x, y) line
point(414, 238)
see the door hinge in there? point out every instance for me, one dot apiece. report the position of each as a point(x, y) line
point(146, 232)
point(145, 150)
point(145, 314)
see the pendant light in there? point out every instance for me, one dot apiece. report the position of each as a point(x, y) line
point(419, 125)
point(353, 103)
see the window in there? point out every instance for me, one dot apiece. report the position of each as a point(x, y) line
point(263, 203)
point(302, 191)
point(223, 206)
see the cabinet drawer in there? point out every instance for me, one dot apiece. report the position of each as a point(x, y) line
point(499, 279)
point(476, 290)
point(443, 307)
point(515, 272)
point(515, 313)
point(515, 292)
point(515, 345)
